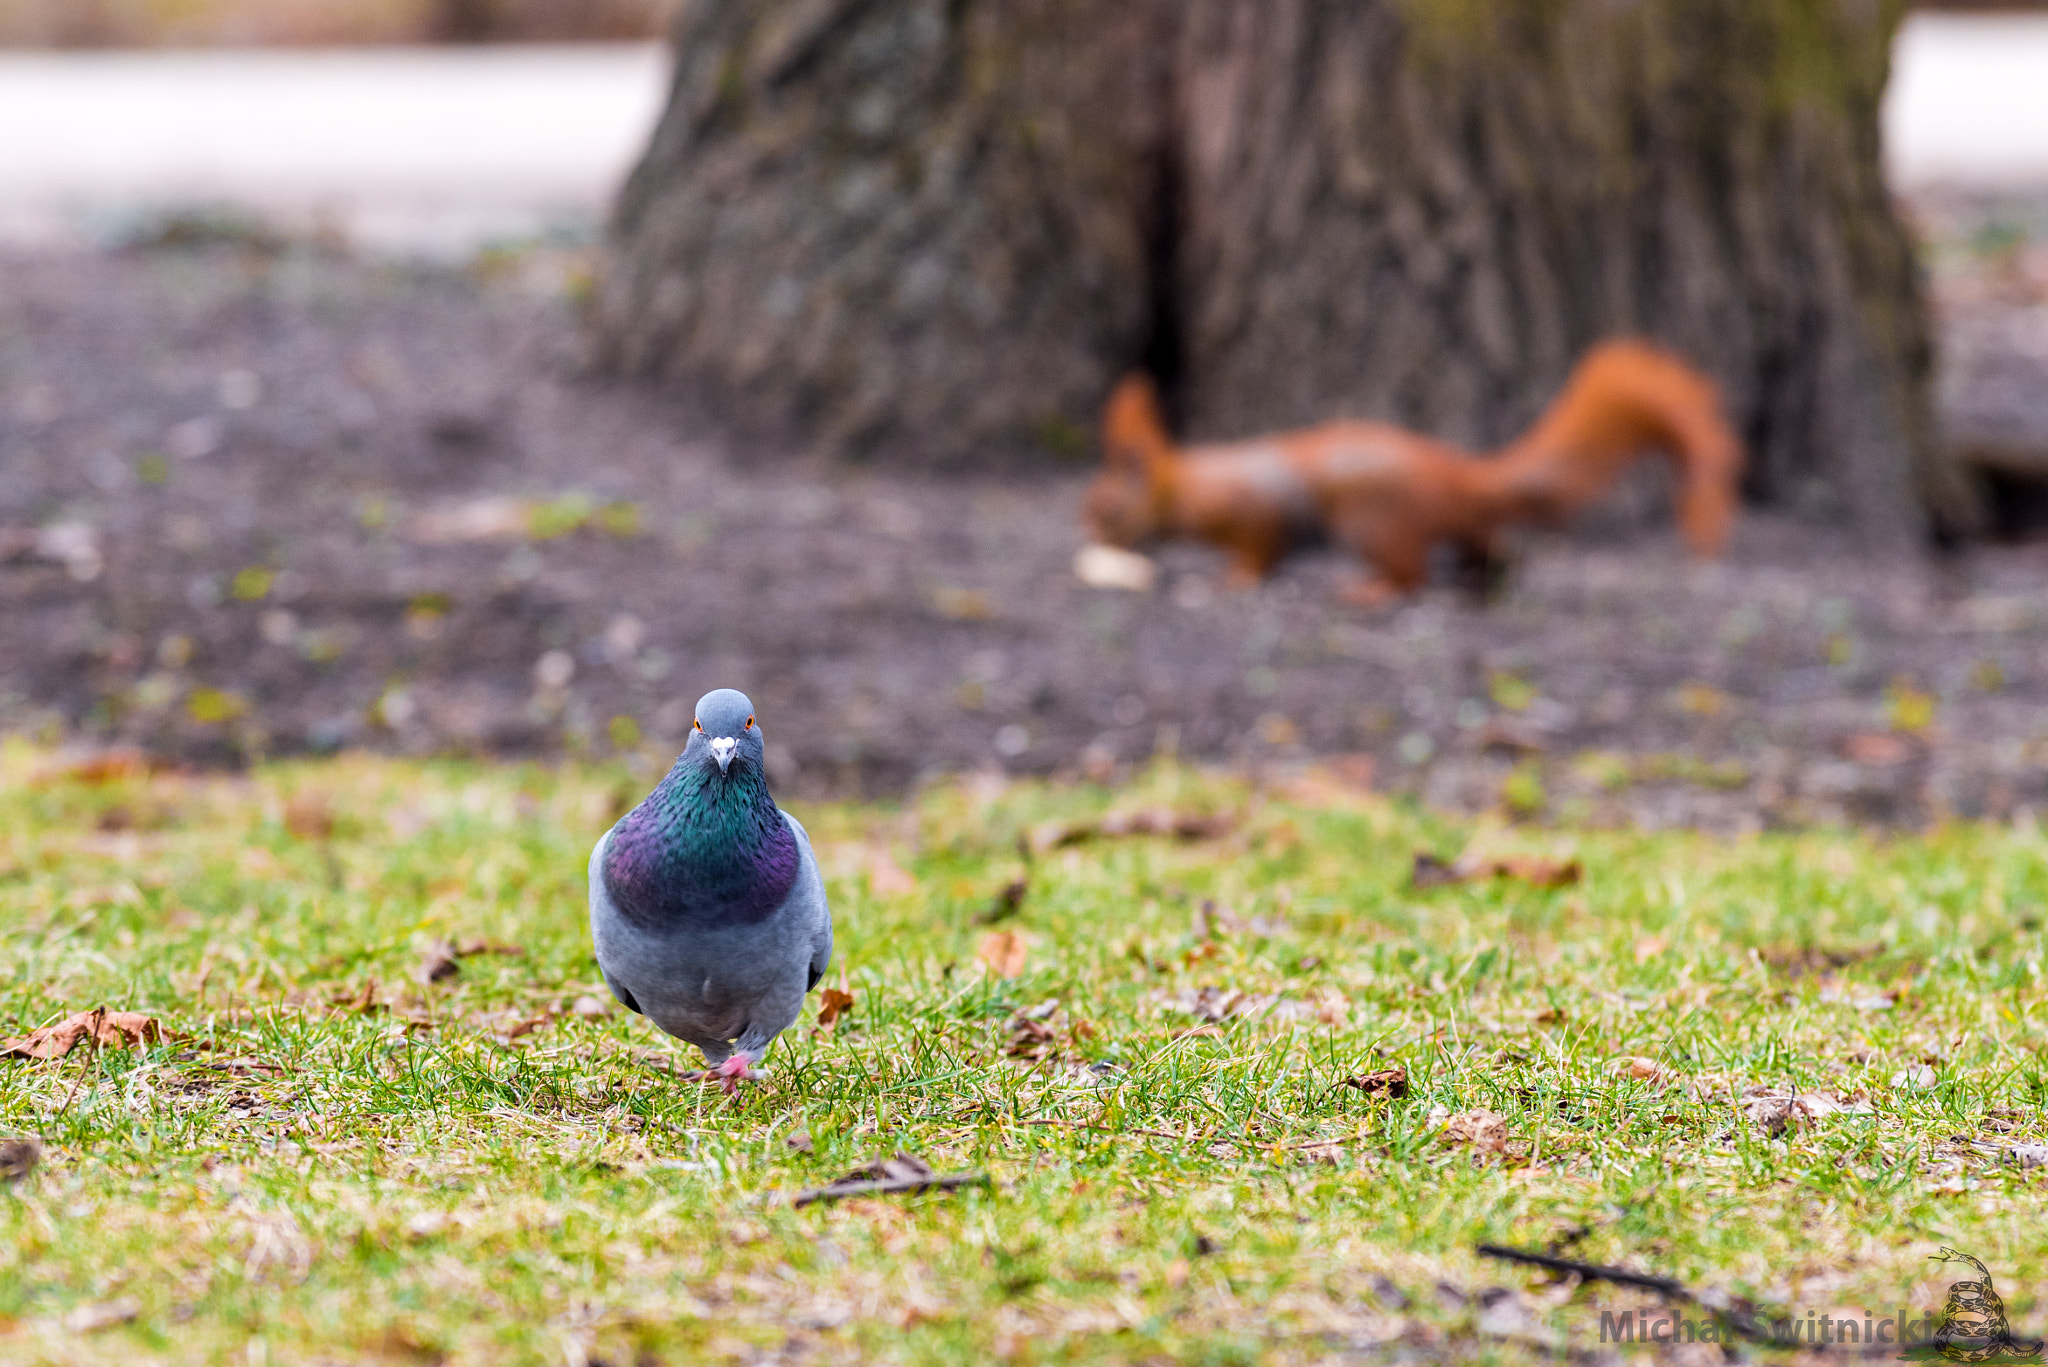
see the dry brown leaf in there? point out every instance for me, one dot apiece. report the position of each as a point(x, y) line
point(1008, 902)
point(1541, 873)
point(310, 815)
point(1033, 1034)
point(1432, 872)
point(832, 1004)
point(96, 768)
point(1641, 1069)
point(443, 958)
point(1387, 1084)
point(441, 962)
point(1774, 1110)
point(18, 1158)
point(1052, 835)
point(519, 1029)
point(1003, 951)
point(1486, 1131)
point(103, 1028)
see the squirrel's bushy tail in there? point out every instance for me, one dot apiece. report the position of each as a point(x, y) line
point(1627, 397)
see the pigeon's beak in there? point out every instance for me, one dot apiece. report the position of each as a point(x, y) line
point(722, 751)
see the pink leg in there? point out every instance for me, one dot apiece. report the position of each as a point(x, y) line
point(730, 1072)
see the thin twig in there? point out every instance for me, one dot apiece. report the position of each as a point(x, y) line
point(1736, 1318)
point(883, 1186)
point(92, 1056)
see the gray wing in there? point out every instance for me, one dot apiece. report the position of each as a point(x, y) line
point(810, 885)
point(604, 917)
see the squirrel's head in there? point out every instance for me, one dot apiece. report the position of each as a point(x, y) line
point(1128, 502)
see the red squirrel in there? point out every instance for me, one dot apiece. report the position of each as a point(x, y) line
point(1388, 494)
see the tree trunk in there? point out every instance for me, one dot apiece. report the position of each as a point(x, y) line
point(938, 230)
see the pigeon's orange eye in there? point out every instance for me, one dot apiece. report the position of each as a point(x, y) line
point(750, 723)
point(700, 726)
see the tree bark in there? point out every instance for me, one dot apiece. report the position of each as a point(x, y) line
point(938, 230)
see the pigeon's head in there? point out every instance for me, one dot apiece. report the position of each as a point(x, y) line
point(725, 733)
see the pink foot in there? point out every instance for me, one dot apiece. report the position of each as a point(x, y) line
point(730, 1072)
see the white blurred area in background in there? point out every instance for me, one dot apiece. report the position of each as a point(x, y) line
point(428, 151)
point(436, 151)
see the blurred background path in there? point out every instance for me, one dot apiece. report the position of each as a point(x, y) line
point(430, 151)
point(437, 150)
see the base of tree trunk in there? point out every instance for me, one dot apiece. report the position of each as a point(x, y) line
point(938, 232)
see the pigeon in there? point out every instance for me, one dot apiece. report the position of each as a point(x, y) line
point(706, 905)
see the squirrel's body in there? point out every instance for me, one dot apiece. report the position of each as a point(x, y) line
point(1388, 494)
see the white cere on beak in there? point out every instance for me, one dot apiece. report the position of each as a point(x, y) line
point(721, 750)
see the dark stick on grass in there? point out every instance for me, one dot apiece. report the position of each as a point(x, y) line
point(1738, 1320)
point(839, 1191)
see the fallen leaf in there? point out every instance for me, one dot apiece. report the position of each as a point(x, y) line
point(18, 1158)
point(443, 958)
point(96, 767)
point(1007, 904)
point(1387, 1084)
point(1339, 778)
point(1486, 1131)
point(1774, 1110)
point(798, 1139)
point(519, 1029)
point(104, 1028)
point(590, 1008)
point(1641, 1069)
point(1432, 872)
point(1052, 835)
point(1542, 873)
point(1033, 1035)
point(1649, 947)
point(441, 962)
point(1003, 951)
point(310, 815)
point(832, 1004)
point(1919, 1077)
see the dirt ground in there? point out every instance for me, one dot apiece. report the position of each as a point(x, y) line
point(259, 501)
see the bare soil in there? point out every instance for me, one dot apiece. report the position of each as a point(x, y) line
point(263, 501)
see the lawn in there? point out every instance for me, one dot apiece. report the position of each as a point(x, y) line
point(395, 1118)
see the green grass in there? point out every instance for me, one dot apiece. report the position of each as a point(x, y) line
point(300, 1180)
